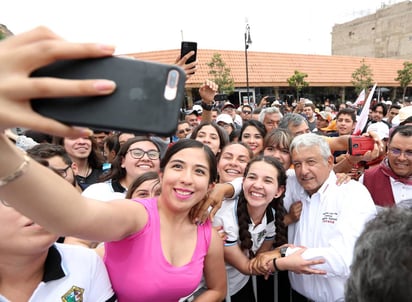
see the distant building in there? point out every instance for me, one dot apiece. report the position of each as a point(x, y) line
point(384, 34)
point(383, 40)
point(329, 77)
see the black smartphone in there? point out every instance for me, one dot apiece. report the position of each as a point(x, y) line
point(359, 145)
point(147, 98)
point(220, 97)
point(187, 47)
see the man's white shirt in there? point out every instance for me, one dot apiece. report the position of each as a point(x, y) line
point(331, 221)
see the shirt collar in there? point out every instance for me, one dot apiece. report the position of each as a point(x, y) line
point(322, 190)
point(330, 180)
point(53, 269)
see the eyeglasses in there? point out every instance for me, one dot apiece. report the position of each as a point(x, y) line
point(181, 131)
point(246, 112)
point(138, 153)
point(398, 152)
point(61, 172)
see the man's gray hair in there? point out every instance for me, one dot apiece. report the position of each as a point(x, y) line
point(293, 119)
point(311, 140)
point(269, 110)
point(382, 267)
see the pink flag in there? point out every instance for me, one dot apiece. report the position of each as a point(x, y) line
point(363, 117)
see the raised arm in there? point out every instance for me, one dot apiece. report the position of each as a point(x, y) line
point(31, 188)
point(207, 92)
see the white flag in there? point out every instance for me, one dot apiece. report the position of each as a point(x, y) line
point(363, 117)
point(360, 99)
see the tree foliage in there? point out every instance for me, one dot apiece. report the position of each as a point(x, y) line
point(221, 74)
point(4, 32)
point(362, 77)
point(297, 81)
point(405, 77)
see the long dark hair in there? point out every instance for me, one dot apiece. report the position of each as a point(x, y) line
point(223, 136)
point(191, 143)
point(254, 123)
point(112, 143)
point(276, 203)
point(149, 175)
point(186, 143)
point(117, 172)
point(95, 159)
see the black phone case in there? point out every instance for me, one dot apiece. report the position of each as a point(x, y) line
point(186, 47)
point(137, 105)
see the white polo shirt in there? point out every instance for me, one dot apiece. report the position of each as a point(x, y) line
point(331, 221)
point(104, 191)
point(73, 274)
point(226, 216)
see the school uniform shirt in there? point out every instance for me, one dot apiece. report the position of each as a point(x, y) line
point(105, 191)
point(331, 221)
point(226, 216)
point(92, 178)
point(72, 274)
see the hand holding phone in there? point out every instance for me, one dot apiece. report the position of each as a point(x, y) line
point(147, 98)
point(187, 47)
point(359, 145)
point(271, 99)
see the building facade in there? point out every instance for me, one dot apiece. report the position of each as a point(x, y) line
point(384, 34)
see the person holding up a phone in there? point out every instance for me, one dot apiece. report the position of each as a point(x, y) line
point(188, 58)
point(168, 246)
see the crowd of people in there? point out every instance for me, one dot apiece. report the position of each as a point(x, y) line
point(241, 204)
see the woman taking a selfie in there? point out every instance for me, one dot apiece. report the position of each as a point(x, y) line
point(154, 250)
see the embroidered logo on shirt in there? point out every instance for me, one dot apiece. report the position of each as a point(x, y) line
point(330, 217)
point(261, 235)
point(75, 294)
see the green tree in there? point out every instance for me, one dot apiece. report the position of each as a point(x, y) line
point(297, 81)
point(4, 32)
point(362, 77)
point(405, 77)
point(221, 74)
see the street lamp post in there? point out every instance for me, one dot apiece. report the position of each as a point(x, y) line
point(248, 42)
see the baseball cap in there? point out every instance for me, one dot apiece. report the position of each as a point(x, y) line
point(228, 104)
point(380, 128)
point(191, 111)
point(224, 118)
point(198, 108)
point(403, 114)
point(330, 127)
point(325, 115)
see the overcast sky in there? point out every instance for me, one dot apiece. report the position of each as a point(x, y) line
point(292, 26)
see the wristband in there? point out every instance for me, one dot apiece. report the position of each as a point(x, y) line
point(16, 174)
point(206, 106)
point(275, 266)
